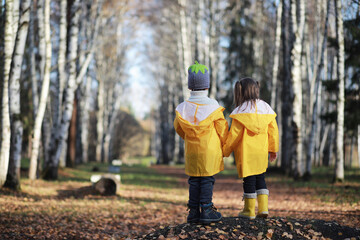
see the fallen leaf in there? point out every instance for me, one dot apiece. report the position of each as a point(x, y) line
point(269, 233)
point(182, 236)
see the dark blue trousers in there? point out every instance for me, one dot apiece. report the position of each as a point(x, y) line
point(200, 190)
point(253, 183)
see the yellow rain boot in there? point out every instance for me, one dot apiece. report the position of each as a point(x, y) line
point(249, 208)
point(262, 198)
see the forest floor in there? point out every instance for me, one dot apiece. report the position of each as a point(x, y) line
point(152, 205)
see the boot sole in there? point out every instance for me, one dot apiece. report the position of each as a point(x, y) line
point(263, 215)
point(193, 221)
point(248, 217)
point(210, 220)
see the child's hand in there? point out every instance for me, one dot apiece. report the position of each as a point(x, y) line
point(272, 156)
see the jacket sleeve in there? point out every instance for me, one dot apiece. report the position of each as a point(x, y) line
point(273, 135)
point(178, 128)
point(235, 135)
point(222, 128)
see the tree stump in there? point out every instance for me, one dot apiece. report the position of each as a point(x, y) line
point(107, 184)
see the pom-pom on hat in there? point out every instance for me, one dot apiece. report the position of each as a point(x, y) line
point(198, 77)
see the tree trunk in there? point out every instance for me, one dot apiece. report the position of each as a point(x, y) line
point(339, 166)
point(85, 120)
point(71, 150)
point(33, 63)
point(41, 32)
point(322, 145)
point(286, 140)
point(111, 126)
point(213, 48)
point(319, 159)
point(186, 47)
point(315, 110)
point(100, 120)
point(61, 78)
point(351, 151)
point(276, 55)
point(16, 17)
point(5, 114)
point(13, 176)
point(297, 86)
point(46, 132)
point(59, 147)
point(44, 93)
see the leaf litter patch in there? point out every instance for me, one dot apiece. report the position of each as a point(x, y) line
point(271, 228)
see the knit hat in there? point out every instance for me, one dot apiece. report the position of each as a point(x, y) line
point(198, 77)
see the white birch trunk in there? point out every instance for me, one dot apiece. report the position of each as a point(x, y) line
point(61, 79)
point(111, 127)
point(339, 169)
point(319, 160)
point(109, 88)
point(200, 37)
point(85, 120)
point(186, 47)
point(41, 32)
point(213, 49)
point(13, 177)
point(297, 86)
point(5, 112)
point(100, 120)
point(276, 55)
point(34, 80)
point(16, 17)
point(44, 94)
point(58, 150)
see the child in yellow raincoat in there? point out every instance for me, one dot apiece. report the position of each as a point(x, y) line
point(200, 122)
point(253, 137)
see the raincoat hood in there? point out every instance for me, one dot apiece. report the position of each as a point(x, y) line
point(204, 130)
point(255, 118)
point(196, 119)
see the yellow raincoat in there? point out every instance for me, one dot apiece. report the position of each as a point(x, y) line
point(204, 129)
point(253, 134)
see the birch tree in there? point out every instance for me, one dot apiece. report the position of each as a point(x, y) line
point(297, 83)
point(44, 93)
point(186, 45)
point(59, 141)
point(34, 79)
point(100, 118)
point(339, 169)
point(61, 77)
point(13, 176)
point(214, 35)
point(315, 114)
point(276, 54)
point(5, 113)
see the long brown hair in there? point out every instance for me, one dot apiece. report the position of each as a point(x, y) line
point(246, 89)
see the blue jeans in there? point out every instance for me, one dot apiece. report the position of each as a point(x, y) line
point(200, 190)
point(253, 183)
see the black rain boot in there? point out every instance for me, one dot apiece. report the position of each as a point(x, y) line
point(209, 213)
point(194, 214)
